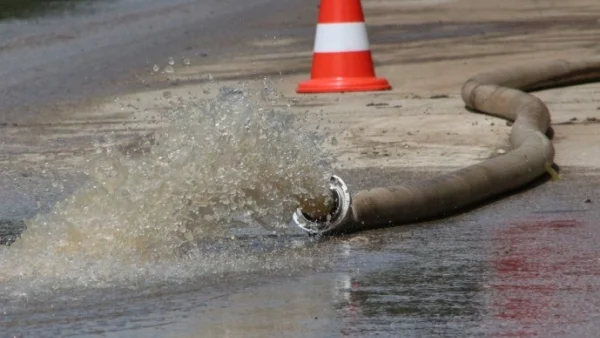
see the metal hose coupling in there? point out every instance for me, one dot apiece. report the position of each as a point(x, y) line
point(340, 214)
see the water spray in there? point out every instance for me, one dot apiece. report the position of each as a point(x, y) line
point(501, 93)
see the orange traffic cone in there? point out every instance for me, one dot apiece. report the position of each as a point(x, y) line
point(342, 57)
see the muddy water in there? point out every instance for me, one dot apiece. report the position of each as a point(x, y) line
point(173, 239)
point(171, 208)
point(524, 266)
point(204, 202)
point(147, 245)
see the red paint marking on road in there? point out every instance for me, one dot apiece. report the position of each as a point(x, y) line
point(535, 260)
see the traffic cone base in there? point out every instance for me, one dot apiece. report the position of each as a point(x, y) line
point(356, 67)
point(343, 84)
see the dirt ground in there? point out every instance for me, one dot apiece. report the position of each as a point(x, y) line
point(425, 49)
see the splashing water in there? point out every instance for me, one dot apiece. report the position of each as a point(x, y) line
point(219, 166)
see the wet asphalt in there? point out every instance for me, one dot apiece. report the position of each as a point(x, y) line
point(522, 266)
point(525, 265)
point(100, 49)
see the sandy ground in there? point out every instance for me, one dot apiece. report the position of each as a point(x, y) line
point(425, 49)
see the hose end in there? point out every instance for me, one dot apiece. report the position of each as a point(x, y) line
point(340, 214)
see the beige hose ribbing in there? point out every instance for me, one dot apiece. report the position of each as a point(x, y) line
point(499, 93)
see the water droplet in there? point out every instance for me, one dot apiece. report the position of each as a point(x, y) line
point(219, 165)
point(169, 69)
point(156, 68)
point(187, 61)
point(171, 61)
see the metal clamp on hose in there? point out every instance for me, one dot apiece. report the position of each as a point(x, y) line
point(341, 212)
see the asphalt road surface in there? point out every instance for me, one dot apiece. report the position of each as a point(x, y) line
point(523, 266)
point(101, 48)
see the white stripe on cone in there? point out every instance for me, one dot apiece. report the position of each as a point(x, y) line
point(341, 37)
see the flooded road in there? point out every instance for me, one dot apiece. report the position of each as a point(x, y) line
point(184, 233)
point(525, 266)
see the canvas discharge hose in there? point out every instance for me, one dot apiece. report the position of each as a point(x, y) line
point(501, 93)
